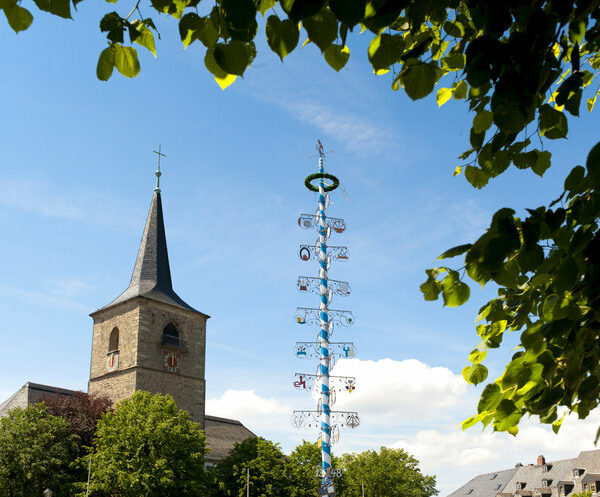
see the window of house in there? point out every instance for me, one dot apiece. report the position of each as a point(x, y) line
point(561, 491)
point(469, 491)
point(546, 482)
point(493, 476)
point(586, 487)
point(547, 467)
point(593, 487)
point(170, 335)
point(498, 486)
point(521, 485)
point(113, 341)
point(577, 472)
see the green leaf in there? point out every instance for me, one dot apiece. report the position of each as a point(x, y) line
point(221, 77)
point(60, 8)
point(192, 27)
point(337, 56)
point(575, 180)
point(443, 95)
point(264, 5)
point(145, 37)
point(126, 60)
point(477, 355)
point(384, 50)
point(301, 9)
point(239, 14)
point(476, 176)
point(576, 31)
point(490, 398)
point(232, 57)
point(417, 78)
point(350, 12)
point(454, 29)
point(18, 18)
point(542, 162)
point(507, 415)
point(552, 123)
point(475, 374)
point(106, 63)
point(592, 165)
point(281, 36)
point(455, 292)
point(459, 91)
point(509, 119)
point(454, 61)
point(454, 251)
point(431, 288)
point(482, 121)
point(322, 28)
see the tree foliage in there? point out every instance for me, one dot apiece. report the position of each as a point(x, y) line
point(37, 451)
point(81, 410)
point(387, 473)
point(304, 469)
point(267, 468)
point(523, 68)
point(548, 269)
point(147, 447)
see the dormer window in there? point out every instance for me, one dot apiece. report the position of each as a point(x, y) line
point(577, 472)
point(546, 482)
point(521, 485)
point(493, 476)
point(498, 486)
point(547, 467)
point(470, 491)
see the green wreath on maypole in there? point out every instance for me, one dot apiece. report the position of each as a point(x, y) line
point(311, 177)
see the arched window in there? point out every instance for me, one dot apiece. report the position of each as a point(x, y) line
point(113, 341)
point(170, 335)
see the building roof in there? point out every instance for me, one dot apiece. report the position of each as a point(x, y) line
point(29, 394)
point(531, 478)
point(486, 485)
point(151, 276)
point(533, 475)
point(222, 434)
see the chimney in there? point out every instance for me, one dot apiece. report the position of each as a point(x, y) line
point(541, 460)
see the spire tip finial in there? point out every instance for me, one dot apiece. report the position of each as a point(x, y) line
point(158, 173)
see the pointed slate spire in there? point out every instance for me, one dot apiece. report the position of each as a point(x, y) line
point(151, 276)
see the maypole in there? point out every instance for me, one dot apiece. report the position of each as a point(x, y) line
point(327, 420)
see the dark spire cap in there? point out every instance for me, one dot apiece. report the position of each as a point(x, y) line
point(151, 276)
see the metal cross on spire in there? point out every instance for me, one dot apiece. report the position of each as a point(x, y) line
point(158, 173)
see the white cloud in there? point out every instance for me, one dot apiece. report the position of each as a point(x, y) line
point(353, 131)
point(457, 456)
point(256, 412)
point(399, 391)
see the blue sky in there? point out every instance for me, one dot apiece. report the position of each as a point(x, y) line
point(77, 179)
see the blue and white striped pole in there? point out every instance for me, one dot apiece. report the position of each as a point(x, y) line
point(324, 336)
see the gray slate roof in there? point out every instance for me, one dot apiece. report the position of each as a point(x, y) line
point(486, 485)
point(222, 434)
point(151, 276)
point(504, 484)
point(29, 394)
point(533, 475)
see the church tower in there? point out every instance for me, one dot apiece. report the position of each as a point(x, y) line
point(148, 338)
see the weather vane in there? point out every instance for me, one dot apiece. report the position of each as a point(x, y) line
point(158, 173)
point(329, 422)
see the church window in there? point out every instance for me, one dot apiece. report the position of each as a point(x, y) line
point(113, 341)
point(170, 336)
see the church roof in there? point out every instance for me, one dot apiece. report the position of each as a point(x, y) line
point(151, 276)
